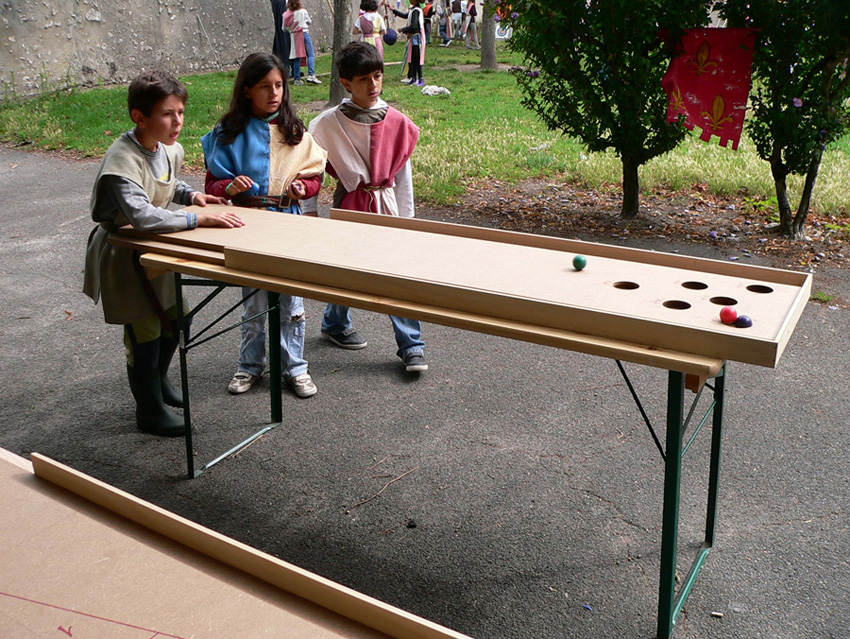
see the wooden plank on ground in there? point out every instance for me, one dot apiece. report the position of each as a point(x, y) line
point(71, 564)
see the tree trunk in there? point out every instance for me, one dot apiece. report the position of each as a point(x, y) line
point(631, 189)
point(798, 225)
point(342, 36)
point(780, 173)
point(488, 37)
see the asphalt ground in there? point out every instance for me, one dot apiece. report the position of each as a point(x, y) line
point(512, 491)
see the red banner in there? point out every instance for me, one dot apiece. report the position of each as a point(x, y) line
point(710, 82)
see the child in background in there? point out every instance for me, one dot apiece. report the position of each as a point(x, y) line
point(297, 22)
point(136, 181)
point(360, 131)
point(445, 22)
point(428, 12)
point(370, 26)
point(458, 9)
point(471, 26)
point(415, 31)
point(282, 39)
point(260, 155)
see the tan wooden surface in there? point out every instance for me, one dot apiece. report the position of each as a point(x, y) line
point(99, 571)
point(639, 297)
point(624, 253)
point(703, 367)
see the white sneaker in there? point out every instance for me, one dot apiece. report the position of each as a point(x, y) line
point(408, 81)
point(302, 385)
point(312, 79)
point(242, 381)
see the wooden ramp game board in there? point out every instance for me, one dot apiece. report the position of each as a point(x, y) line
point(656, 300)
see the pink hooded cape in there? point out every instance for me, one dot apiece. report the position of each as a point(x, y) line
point(392, 141)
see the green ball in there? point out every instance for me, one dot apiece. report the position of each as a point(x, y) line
point(579, 262)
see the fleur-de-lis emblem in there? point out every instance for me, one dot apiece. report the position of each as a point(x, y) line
point(715, 119)
point(677, 100)
point(702, 64)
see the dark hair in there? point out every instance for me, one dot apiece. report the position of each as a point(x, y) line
point(152, 87)
point(254, 68)
point(294, 5)
point(358, 58)
point(369, 5)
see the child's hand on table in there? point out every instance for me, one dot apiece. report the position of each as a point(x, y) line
point(202, 199)
point(224, 218)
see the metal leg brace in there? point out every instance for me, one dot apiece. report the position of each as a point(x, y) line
point(187, 343)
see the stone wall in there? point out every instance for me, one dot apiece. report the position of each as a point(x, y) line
point(47, 45)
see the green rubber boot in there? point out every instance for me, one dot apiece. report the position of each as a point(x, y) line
point(152, 415)
point(171, 395)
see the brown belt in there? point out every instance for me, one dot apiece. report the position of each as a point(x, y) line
point(263, 201)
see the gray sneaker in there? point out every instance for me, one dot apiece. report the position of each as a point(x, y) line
point(351, 341)
point(302, 385)
point(242, 382)
point(415, 363)
point(298, 83)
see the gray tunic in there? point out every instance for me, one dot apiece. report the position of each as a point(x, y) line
point(133, 187)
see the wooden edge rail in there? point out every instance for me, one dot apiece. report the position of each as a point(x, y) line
point(323, 592)
point(144, 245)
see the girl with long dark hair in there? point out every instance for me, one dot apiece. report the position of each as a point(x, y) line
point(260, 155)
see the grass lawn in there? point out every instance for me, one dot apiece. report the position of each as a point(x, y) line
point(480, 131)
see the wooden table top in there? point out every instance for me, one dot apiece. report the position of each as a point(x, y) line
point(655, 300)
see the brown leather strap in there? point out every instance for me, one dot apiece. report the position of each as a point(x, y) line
point(262, 201)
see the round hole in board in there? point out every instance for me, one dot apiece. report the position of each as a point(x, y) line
point(626, 286)
point(759, 288)
point(724, 301)
point(678, 305)
point(695, 286)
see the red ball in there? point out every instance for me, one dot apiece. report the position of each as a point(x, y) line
point(728, 315)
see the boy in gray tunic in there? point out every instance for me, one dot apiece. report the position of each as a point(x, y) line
point(136, 181)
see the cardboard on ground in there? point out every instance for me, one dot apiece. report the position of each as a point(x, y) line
point(73, 568)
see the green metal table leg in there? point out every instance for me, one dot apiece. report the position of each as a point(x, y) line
point(182, 328)
point(275, 387)
point(670, 517)
point(670, 603)
point(714, 470)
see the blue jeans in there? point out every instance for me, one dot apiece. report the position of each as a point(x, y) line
point(311, 54)
point(295, 68)
point(408, 332)
point(252, 350)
